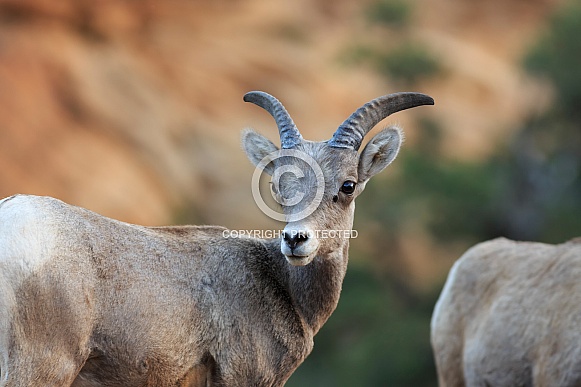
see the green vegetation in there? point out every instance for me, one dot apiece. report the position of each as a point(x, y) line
point(408, 62)
point(392, 13)
point(548, 147)
point(557, 57)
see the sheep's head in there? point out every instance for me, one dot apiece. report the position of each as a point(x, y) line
point(316, 183)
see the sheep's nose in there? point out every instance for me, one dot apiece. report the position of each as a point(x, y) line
point(294, 238)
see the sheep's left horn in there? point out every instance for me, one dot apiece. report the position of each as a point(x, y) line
point(289, 133)
point(351, 132)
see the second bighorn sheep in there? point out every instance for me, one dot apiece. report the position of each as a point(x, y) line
point(510, 315)
point(90, 301)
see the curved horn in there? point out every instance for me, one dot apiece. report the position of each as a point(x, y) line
point(289, 133)
point(351, 132)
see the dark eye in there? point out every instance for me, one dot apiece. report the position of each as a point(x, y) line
point(348, 187)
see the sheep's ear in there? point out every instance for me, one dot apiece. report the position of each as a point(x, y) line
point(257, 147)
point(379, 152)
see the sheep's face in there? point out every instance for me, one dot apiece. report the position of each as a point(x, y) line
point(316, 185)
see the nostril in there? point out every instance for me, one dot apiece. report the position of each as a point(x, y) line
point(293, 238)
point(302, 237)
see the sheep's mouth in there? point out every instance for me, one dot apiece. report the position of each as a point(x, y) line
point(299, 260)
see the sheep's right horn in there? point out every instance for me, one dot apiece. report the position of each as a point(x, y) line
point(289, 133)
point(351, 132)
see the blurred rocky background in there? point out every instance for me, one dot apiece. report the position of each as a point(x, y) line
point(134, 109)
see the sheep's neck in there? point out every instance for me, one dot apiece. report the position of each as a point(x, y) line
point(315, 288)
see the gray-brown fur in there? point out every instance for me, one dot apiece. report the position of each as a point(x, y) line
point(90, 301)
point(510, 315)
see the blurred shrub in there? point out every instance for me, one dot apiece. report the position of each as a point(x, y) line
point(408, 63)
point(541, 196)
point(547, 150)
point(358, 54)
point(557, 55)
point(392, 13)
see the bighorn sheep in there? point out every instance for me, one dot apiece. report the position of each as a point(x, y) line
point(510, 315)
point(90, 301)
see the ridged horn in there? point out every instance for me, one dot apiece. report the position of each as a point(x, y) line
point(289, 133)
point(351, 132)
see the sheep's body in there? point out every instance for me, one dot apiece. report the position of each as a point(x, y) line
point(510, 315)
point(140, 306)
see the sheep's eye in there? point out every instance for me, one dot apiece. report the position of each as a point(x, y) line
point(348, 187)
